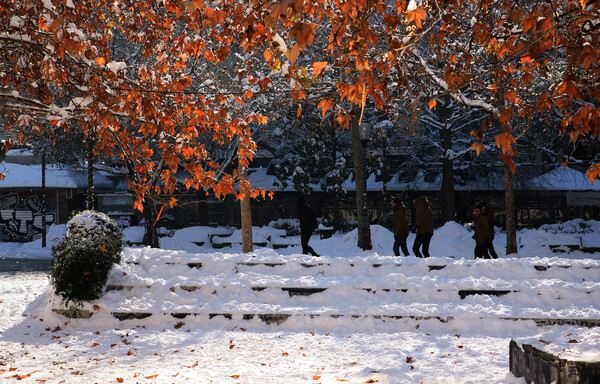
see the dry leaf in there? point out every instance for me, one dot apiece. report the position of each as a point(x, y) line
point(179, 325)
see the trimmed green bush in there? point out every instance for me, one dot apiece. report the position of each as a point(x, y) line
point(83, 259)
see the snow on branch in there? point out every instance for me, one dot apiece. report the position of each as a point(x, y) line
point(474, 103)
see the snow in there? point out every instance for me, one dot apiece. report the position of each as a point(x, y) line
point(564, 179)
point(23, 176)
point(561, 179)
point(471, 347)
point(116, 66)
point(17, 22)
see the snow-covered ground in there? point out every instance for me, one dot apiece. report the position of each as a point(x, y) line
point(470, 347)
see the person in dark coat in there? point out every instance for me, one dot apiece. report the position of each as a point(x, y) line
point(308, 223)
point(400, 226)
point(423, 225)
point(490, 216)
point(482, 233)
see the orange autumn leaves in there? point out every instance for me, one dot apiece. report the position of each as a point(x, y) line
point(151, 120)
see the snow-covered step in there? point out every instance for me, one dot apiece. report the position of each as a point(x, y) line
point(558, 293)
point(278, 318)
point(265, 285)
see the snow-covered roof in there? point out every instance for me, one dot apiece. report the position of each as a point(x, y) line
point(372, 184)
point(563, 179)
point(30, 176)
point(258, 178)
point(21, 156)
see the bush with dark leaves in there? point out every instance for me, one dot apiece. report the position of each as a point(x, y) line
point(83, 259)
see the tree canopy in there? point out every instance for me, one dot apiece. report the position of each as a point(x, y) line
point(167, 85)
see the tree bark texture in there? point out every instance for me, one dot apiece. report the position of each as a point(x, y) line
point(510, 210)
point(337, 218)
point(360, 178)
point(509, 193)
point(448, 207)
point(90, 174)
point(245, 213)
point(150, 234)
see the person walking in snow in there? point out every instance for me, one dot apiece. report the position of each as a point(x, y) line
point(482, 233)
point(490, 216)
point(424, 226)
point(400, 226)
point(308, 223)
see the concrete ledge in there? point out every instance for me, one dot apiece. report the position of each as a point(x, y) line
point(542, 322)
point(544, 368)
point(489, 292)
point(74, 313)
point(85, 314)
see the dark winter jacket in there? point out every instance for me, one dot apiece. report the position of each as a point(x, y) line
point(490, 216)
point(483, 232)
point(423, 216)
point(400, 223)
point(308, 218)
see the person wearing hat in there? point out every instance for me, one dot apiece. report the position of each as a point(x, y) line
point(400, 226)
point(482, 233)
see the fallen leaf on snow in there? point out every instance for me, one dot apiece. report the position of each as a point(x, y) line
point(179, 325)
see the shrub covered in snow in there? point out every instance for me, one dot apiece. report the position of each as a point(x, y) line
point(83, 259)
point(291, 226)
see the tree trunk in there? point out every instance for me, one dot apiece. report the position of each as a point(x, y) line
point(150, 234)
point(202, 207)
point(448, 208)
point(337, 219)
point(360, 178)
point(90, 174)
point(245, 212)
point(509, 192)
point(510, 211)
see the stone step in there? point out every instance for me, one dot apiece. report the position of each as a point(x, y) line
point(432, 267)
point(307, 291)
point(279, 318)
